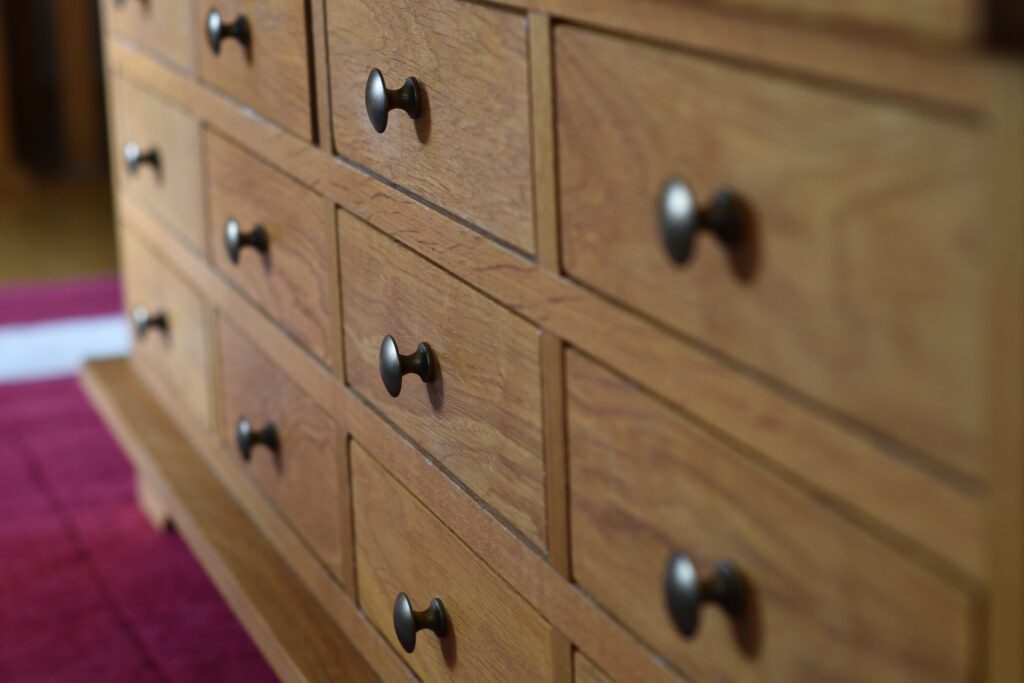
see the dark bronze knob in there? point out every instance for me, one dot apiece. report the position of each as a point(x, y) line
point(144, 320)
point(408, 621)
point(681, 218)
point(134, 157)
point(380, 100)
point(246, 437)
point(217, 30)
point(235, 239)
point(686, 591)
point(393, 365)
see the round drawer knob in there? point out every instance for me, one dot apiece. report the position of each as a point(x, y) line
point(235, 239)
point(393, 365)
point(409, 622)
point(246, 437)
point(681, 218)
point(144, 320)
point(217, 30)
point(380, 100)
point(135, 157)
point(686, 591)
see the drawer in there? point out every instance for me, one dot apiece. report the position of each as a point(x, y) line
point(164, 26)
point(858, 271)
point(469, 151)
point(262, 57)
point(586, 672)
point(163, 142)
point(292, 273)
point(492, 634)
point(297, 461)
point(827, 601)
point(170, 320)
point(480, 416)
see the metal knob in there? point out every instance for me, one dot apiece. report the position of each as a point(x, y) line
point(681, 218)
point(144, 320)
point(686, 591)
point(408, 621)
point(246, 437)
point(380, 100)
point(235, 239)
point(393, 365)
point(134, 157)
point(217, 30)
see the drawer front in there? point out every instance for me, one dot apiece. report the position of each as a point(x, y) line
point(302, 473)
point(293, 274)
point(164, 26)
point(175, 358)
point(403, 547)
point(481, 415)
point(829, 601)
point(270, 71)
point(168, 175)
point(858, 275)
point(469, 151)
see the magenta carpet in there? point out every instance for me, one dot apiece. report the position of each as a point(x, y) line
point(88, 591)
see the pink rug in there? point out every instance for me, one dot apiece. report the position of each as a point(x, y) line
point(88, 591)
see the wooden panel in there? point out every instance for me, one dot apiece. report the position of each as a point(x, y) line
point(860, 280)
point(163, 26)
point(830, 602)
point(273, 74)
point(401, 546)
point(296, 279)
point(481, 418)
point(470, 150)
point(173, 190)
point(304, 477)
point(586, 672)
point(178, 359)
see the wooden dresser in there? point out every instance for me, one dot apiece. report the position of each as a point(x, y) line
point(649, 341)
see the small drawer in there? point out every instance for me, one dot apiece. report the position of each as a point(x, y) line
point(288, 444)
point(256, 51)
point(479, 412)
point(848, 263)
point(274, 239)
point(478, 629)
point(469, 150)
point(159, 165)
point(170, 323)
point(163, 26)
point(824, 599)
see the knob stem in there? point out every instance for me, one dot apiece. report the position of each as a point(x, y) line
point(408, 622)
point(144, 320)
point(135, 157)
point(686, 591)
point(380, 101)
point(247, 437)
point(393, 365)
point(681, 218)
point(217, 30)
point(235, 239)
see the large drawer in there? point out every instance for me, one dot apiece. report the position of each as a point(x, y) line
point(172, 330)
point(481, 415)
point(469, 151)
point(292, 273)
point(269, 70)
point(299, 466)
point(858, 275)
point(160, 166)
point(828, 601)
point(492, 634)
point(164, 26)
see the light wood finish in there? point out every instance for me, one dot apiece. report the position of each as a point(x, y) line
point(545, 172)
point(481, 417)
point(297, 279)
point(273, 74)
point(177, 359)
point(469, 151)
point(152, 506)
point(321, 75)
point(173, 191)
point(494, 635)
point(859, 281)
point(290, 628)
point(308, 475)
point(166, 27)
point(586, 672)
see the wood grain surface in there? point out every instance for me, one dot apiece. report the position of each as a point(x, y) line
point(168, 28)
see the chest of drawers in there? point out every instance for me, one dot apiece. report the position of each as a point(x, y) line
point(607, 341)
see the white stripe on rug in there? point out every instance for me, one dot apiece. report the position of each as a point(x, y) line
point(57, 348)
